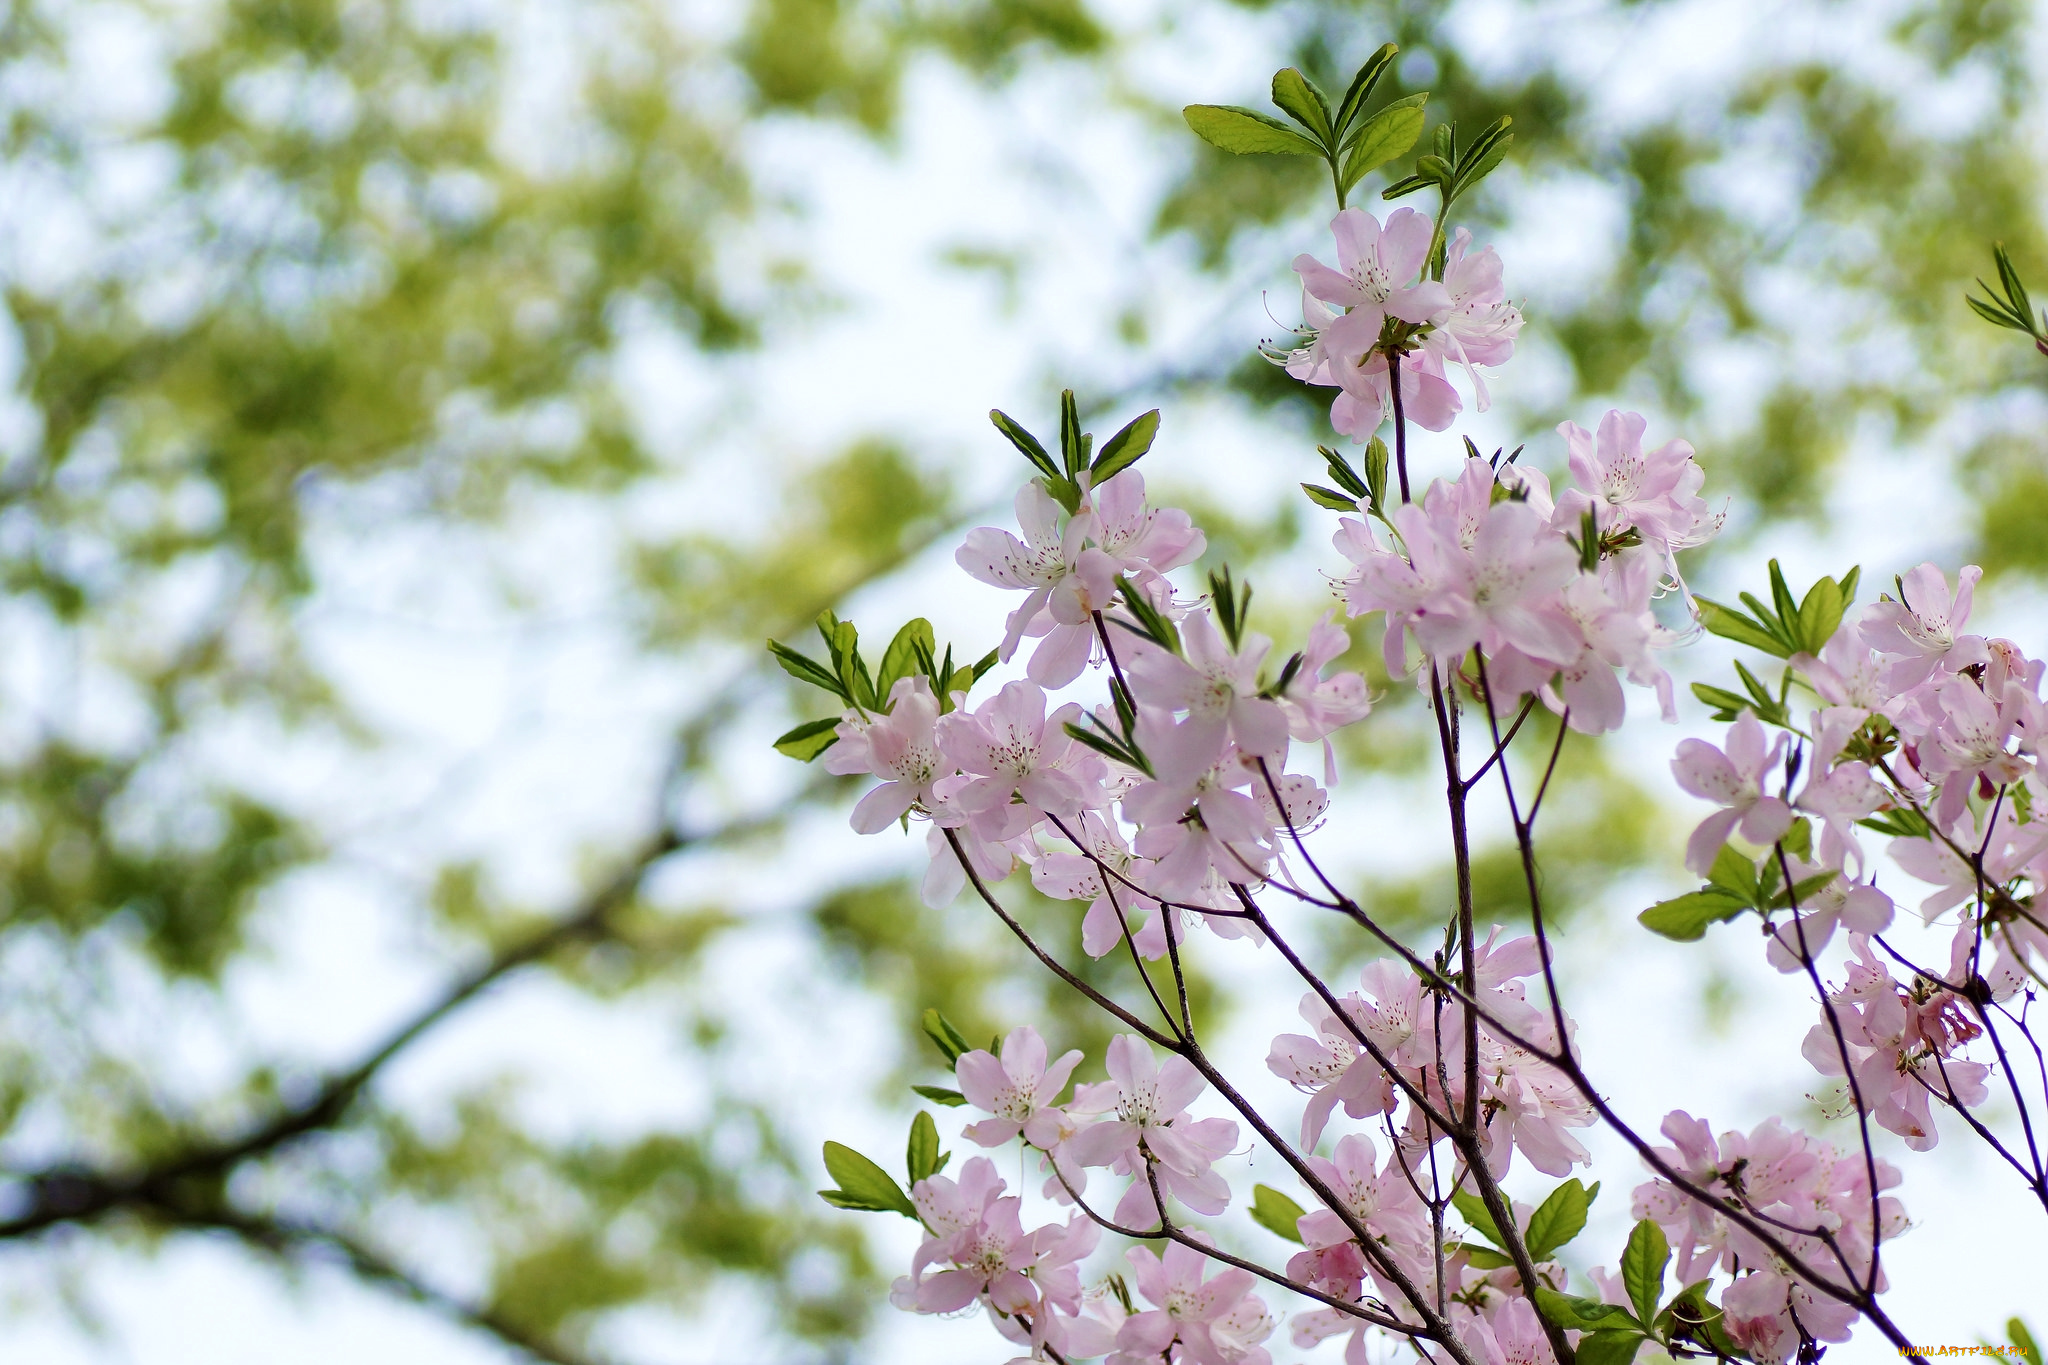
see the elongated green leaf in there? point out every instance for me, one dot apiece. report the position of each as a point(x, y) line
point(1027, 444)
point(1123, 450)
point(808, 670)
point(1473, 1210)
point(1610, 1348)
point(938, 1094)
point(1385, 136)
point(1642, 1268)
point(1361, 87)
point(1329, 497)
point(1730, 624)
point(1298, 96)
point(2024, 1340)
point(1685, 918)
point(1246, 131)
point(900, 659)
point(1406, 186)
point(862, 1184)
point(810, 739)
point(1342, 474)
point(945, 1037)
point(1559, 1218)
point(1584, 1315)
point(922, 1157)
point(1070, 434)
point(1486, 1258)
point(1275, 1212)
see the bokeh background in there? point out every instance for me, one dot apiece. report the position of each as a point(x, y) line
point(414, 414)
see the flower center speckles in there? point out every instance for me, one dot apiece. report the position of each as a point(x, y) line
point(1623, 481)
point(1012, 1103)
point(1372, 278)
point(1139, 1105)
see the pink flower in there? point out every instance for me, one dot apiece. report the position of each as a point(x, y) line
point(1021, 765)
point(1919, 630)
point(1019, 1090)
point(1763, 1312)
point(1899, 1047)
point(1656, 494)
point(902, 748)
point(1481, 326)
point(1511, 1335)
point(1195, 821)
point(1734, 781)
point(1858, 906)
point(1079, 876)
point(1141, 540)
point(1316, 706)
point(1218, 690)
point(1501, 592)
point(1848, 672)
point(1215, 1321)
point(1377, 275)
point(1383, 1200)
point(1968, 742)
point(2008, 848)
point(1149, 1102)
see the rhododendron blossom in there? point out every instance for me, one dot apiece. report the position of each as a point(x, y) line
point(1160, 761)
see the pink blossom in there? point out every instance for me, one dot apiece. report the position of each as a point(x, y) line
point(1734, 781)
point(1052, 552)
point(1900, 1050)
point(1215, 1321)
point(1079, 876)
point(1316, 706)
point(1512, 1334)
point(1858, 906)
point(901, 748)
point(1382, 1200)
point(1021, 765)
point(1020, 1090)
point(1848, 672)
point(1141, 540)
point(1499, 593)
point(1481, 325)
point(1195, 820)
point(1376, 276)
point(1656, 494)
point(1920, 630)
point(1218, 690)
point(1967, 743)
point(2008, 848)
point(1149, 1103)
point(1764, 1312)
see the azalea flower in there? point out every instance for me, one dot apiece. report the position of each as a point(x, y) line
point(1733, 780)
point(1020, 1090)
point(1149, 1103)
point(1213, 1321)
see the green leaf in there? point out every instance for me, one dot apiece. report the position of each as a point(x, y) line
point(1376, 475)
point(810, 739)
point(1246, 131)
point(922, 1156)
point(1727, 705)
point(1479, 159)
point(1820, 613)
point(1734, 875)
point(1329, 497)
point(1642, 1268)
point(808, 670)
point(1305, 104)
point(1027, 444)
point(1730, 624)
point(1582, 1315)
point(2022, 1338)
point(1401, 189)
point(1486, 1258)
point(1609, 1348)
point(900, 659)
point(938, 1094)
point(863, 1185)
point(1360, 89)
point(1685, 918)
point(1902, 822)
point(1275, 1212)
point(1559, 1218)
point(1385, 136)
point(945, 1037)
point(1123, 450)
point(1473, 1210)
point(1070, 434)
point(1342, 474)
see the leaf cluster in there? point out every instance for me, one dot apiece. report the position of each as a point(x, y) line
point(1370, 485)
point(1784, 628)
point(911, 653)
point(1614, 1333)
point(2008, 305)
point(1062, 478)
point(1351, 144)
point(1736, 884)
point(1556, 1221)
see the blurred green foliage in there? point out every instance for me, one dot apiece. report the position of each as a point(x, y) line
point(366, 259)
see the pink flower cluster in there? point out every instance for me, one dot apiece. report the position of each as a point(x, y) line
point(1491, 562)
point(1463, 319)
point(1815, 1197)
point(1938, 727)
